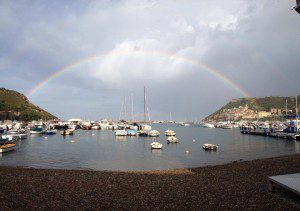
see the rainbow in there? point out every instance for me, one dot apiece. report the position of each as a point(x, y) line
point(89, 59)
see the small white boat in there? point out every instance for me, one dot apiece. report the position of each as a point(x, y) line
point(19, 136)
point(170, 132)
point(7, 137)
point(210, 147)
point(172, 139)
point(121, 133)
point(156, 145)
point(153, 133)
point(227, 126)
point(7, 147)
point(208, 125)
point(95, 127)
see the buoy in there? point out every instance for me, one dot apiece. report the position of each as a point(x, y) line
point(187, 151)
point(93, 134)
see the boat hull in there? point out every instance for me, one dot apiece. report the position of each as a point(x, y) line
point(7, 149)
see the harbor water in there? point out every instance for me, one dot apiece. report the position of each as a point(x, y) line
point(102, 150)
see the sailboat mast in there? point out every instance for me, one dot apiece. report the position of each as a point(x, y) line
point(296, 113)
point(286, 107)
point(144, 104)
point(132, 117)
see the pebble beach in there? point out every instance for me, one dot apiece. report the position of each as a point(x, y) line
point(233, 186)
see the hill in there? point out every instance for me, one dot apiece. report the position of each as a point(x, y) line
point(257, 105)
point(16, 106)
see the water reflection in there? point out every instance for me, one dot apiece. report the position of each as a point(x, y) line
point(102, 150)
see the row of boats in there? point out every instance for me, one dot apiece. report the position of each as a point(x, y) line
point(278, 129)
point(148, 133)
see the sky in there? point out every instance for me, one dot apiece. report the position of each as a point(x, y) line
point(84, 59)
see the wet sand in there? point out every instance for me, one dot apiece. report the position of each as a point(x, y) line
point(233, 186)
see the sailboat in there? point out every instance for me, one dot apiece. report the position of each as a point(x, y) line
point(145, 128)
point(170, 132)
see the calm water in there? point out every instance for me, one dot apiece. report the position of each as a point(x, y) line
point(101, 150)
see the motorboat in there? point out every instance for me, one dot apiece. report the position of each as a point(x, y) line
point(153, 133)
point(7, 147)
point(37, 130)
point(143, 133)
point(121, 133)
point(131, 132)
point(208, 125)
point(86, 125)
point(227, 126)
point(50, 132)
point(95, 127)
point(156, 145)
point(170, 132)
point(67, 132)
point(172, 139)
point(210, 147)
point(5, 138)
point(19, 136)
point(104, 124)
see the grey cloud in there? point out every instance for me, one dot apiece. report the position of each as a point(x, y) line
point(152, 43)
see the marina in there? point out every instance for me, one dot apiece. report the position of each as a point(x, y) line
point(105, 150)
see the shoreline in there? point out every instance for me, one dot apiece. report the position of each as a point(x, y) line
point(235, 185)
point(152, 171)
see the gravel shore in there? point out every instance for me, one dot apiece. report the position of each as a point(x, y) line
point(234, 186)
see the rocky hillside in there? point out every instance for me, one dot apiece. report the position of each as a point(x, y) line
point(259, 104)
point(16, 106)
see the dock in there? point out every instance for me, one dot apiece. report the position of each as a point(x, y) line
point(290, 182)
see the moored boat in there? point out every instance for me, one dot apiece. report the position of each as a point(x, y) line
point(131, 132)
point(156, 145)
point(7, 147)
point(95, 127)
point(208, 125)
point(143, 133)
point(121, 133)
point(19, 136)
point(50, 132)
point(227, 126)
point(210, 147)
point(153, 133)
point(172, 139)
point(67, 132)
point(37, 130)
point(170, 132)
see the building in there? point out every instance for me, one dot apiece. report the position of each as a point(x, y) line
point(262, 114)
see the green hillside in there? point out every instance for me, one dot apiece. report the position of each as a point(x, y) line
point(16, 106)
point(259, 104)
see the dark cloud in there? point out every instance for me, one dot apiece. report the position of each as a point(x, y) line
point(151, 43)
